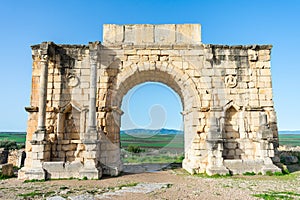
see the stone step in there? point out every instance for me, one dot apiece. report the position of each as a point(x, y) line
point(238, 166)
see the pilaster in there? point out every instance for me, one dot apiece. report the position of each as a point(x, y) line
point(40, 148)
point(92, 168)
point(215, 148)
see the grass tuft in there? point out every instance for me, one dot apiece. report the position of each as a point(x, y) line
point(277, 195)
point(249, 173)
point(34, 180)
point(205, 175)
point(30, 194)
point(128, 185)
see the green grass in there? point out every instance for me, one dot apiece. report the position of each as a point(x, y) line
point(19, 137)
point(277, 195)
point(34, 180)
point(153, 159)
point(289, 139)
point(176, 141)
point(127, 185)
point(249, 174)
point(153, 141)
point(31, 194)
point(3, 177)
point(205, 175)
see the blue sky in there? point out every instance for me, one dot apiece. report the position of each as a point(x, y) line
point(24, 23)
point(152, 105)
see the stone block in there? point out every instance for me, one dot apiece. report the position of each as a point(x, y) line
point(74, 166)
point(63, 142)
point(230, 145)
point(188, 33)
point(144, 34)
point(58, 147)
point(70, 153)
point(89, 154)
point(61, 154)
point(54, 166)
point(113, 33)
point(264, 55)
point(165, 34)
point(7, 169)
point(3, 156)
point(69, 147)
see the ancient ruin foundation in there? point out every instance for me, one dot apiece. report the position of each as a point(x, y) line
point(74, 115)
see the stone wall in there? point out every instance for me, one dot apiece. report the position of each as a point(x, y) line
point(226, 92)
point(16, 157)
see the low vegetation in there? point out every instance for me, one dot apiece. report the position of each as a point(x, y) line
point(205, 175)
point(278, 195)
point(31, 194)
point(135, 149)
point(127, 185)
point(10, 145)
point(140, 158)
point(3, 177)
point(249, 174)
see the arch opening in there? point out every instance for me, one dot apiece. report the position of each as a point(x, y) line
point(152, 125)
point(174, 78)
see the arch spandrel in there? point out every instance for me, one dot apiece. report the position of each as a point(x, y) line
point(173, 77)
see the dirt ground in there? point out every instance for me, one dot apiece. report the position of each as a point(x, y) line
point(168, 184)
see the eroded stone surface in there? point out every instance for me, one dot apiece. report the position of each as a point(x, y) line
point(226, 93)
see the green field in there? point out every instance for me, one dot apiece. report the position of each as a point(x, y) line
point(289, 139)
point(176, 140)
point(170, 146)
point(154, 141)
point(19, 137)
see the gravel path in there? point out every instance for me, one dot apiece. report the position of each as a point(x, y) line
point(169, 184)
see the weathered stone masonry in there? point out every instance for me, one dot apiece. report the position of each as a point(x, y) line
point(77, 90)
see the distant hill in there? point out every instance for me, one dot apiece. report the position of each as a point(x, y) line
point(151, 132)
point(289, 132)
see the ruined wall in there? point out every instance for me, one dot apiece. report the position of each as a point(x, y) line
point(226, 92)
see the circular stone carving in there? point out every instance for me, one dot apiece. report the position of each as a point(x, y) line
point(230, 81)
point(73, 80)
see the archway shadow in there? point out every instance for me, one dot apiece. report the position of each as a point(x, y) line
point(145, 168)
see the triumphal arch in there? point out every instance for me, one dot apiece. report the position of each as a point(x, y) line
point(74, 114)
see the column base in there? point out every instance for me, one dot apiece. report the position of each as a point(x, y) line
point(213, 170)
point(269, 166)
point(32, 173)
point(90, 173)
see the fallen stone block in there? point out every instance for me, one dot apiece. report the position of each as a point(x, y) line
point(7, 169)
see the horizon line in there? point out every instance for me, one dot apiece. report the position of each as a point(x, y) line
point(140, 128)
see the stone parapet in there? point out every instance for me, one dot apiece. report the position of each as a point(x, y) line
point(152, 34)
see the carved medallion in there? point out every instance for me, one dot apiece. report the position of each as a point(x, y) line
point(73, 80)
point(230, 81)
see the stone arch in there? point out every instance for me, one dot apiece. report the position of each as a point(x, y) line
point(167, 74)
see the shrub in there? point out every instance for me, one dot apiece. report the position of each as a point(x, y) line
point(179, 159)
point(269, 173)
point(134, 149)
point(285, 171)
point(249, 173)
point(278, 174)
point(8, 144)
